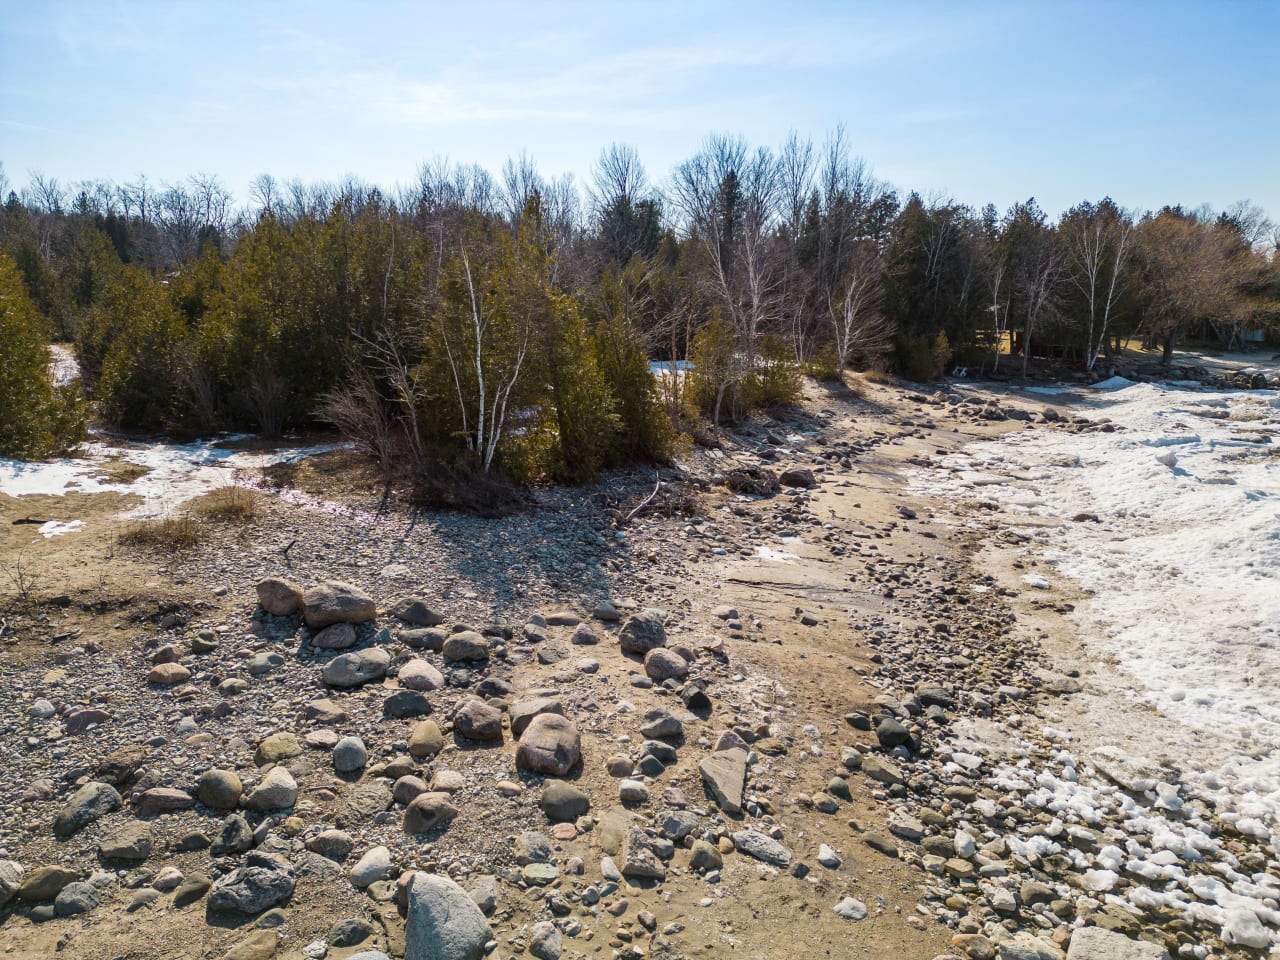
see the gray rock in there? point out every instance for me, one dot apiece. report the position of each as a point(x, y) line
point(76, 898)
point(234, 836)
point(336, 602)
point(761, 846)
point(477, 720)
point(357, 668)
point(485, 895)
point(892, 733)
point(466, 646)
point(349, 932)
point(420, 675)
point(336, 636)
point(639, 861)
point(191, 889)
point(563, 802)
point(532, 847)
point(1095, 943)
point(443, 922)
point(549, 745)
point(643, 632)
point(261, 882)
point(828, 858)
point(406, 703)
point(424, 638)
point(725, 776)
point(277, 791)
point(130, 842)
point(632, 791)
point(260, 664)
point(159, 800)
point(851, 909)
point(86, 805)
point(350, 755)
point(416, 612)
point(10, 880)
point(661, 725)
point(374, 865)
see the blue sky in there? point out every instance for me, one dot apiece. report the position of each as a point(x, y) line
point(1151, 103)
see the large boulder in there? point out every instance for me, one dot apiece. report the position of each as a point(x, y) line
point(643, 632)
point(357, 668)
point(335, 602)
point(86, 805)
point(260, 883)
point(550, 744)
point(443, 923)
point(279, 597)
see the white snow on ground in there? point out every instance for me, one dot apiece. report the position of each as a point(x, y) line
point(1183, 563)
point(177, 472)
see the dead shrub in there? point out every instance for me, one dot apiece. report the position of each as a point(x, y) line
point(228, 504)
point(163, 533)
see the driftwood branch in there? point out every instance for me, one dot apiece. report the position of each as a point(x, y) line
point(646, 501)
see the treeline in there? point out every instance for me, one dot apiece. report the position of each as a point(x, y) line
point(471, 322)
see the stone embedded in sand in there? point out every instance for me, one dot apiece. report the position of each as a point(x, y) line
point(562, 802)
point(406, 703)
point(349, 755)
point(131, 842)
point(336, 602)
point(643, 632)
point(167, 674)
point(279, 597)
point(428, 811)
point(336, 636)
point(550, 745)
point(373, 866)
point(159, 800)
point(661, 725)
point(277, 747)
point(725, 776)
point(357, 668)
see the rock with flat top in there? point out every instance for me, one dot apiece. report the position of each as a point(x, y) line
point(724, 774)
point(336, 602)
point(1095, 943)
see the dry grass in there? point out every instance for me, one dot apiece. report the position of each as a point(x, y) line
point(878, 376)
point(230, 503)
point(166, 533)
